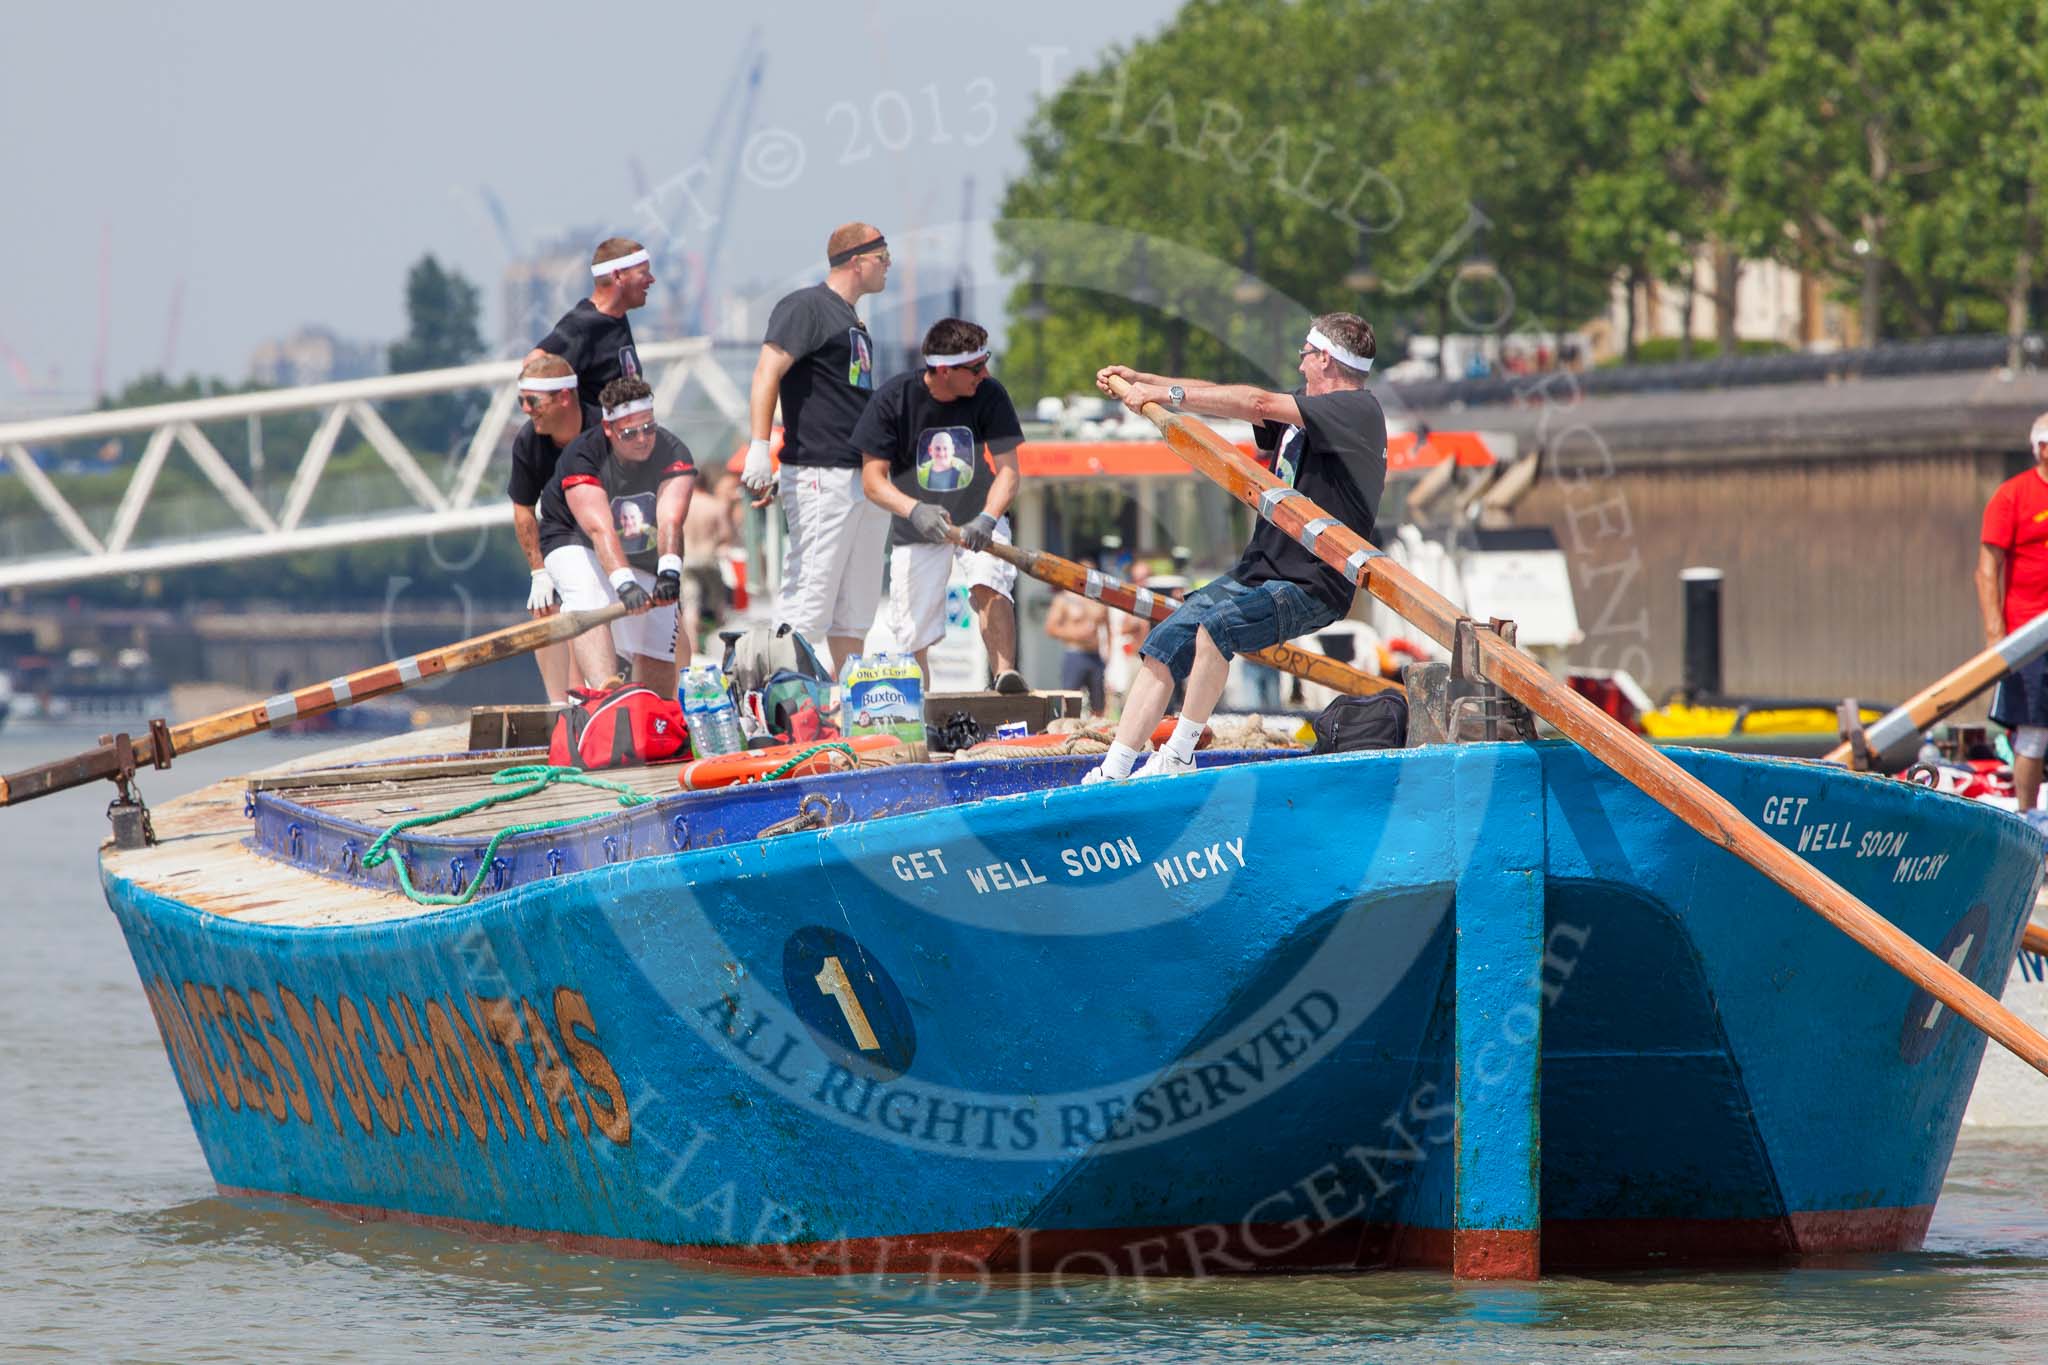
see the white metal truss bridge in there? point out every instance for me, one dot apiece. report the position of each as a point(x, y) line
point(260, 524)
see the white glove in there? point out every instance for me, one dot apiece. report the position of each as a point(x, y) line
point(542, 594)
point(759, 472)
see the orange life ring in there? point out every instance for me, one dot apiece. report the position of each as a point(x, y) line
point(1163, 731)
point(724, 770)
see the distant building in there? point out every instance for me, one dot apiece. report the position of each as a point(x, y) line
point(313, 355)
point(541, 286)
point(1773, 302)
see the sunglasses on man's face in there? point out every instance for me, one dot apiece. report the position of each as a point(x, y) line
point(978, 367)
point(644, 430)
point(530, 401)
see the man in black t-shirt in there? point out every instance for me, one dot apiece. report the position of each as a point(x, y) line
point(611, 530)
point(594, 336)
point(920, 443)
point(1328, 440)
point(819, 360)
point(547, 394)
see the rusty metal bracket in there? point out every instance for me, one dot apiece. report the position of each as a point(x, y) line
point(126, 812)
point(1849, 718)
point(1473, 707)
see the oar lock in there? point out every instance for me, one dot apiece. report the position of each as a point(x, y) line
point(126, 812)
point(1454, 703)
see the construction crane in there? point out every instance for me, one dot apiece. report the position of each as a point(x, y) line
point(700, 305)
point(962, 286)
point(500, 220)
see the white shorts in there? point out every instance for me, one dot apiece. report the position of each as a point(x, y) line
point(918, 575)
point(832, 576)
point(583, 585)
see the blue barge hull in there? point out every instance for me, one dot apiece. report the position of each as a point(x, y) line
point(1436, 1006)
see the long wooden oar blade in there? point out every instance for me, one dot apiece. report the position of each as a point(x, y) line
point(1522, 678)
point(1953, 690)
point(282, 709)
point(1112, 591)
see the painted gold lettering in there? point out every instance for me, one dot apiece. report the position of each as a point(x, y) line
point(551, 1076)
point(223, 1076)
point(388, 1100)
point(506, 1028)
point(420, 1053)
point(316, 1054)
point(287, 1070)
point(491, 1082)
point(345, 1059)
point(270, 1091)
point(608, 1106)
point(455, 1068)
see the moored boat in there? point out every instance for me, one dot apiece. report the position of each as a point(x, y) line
point(1344, 1011)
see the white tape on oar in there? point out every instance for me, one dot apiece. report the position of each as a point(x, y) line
point(1273, 497)
point(1093, 587)
point(1141, 601)
point(1355, 565)
point(1313, 532)
point(343, 695)
point(409, 668)
point(2024, 645)
point(283, 706)
point(1894, 727)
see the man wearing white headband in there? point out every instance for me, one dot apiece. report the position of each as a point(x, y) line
point(595, 337)
point(2012, 589)
point(611, 528)
point(820, 362)
point(547, 394)
point(1326, 440)
point(920, 443)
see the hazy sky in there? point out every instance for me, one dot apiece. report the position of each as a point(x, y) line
point(287, 164)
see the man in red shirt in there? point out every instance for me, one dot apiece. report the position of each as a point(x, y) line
point(2012, 589)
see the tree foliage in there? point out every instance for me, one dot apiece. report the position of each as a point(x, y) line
point(1189, 196)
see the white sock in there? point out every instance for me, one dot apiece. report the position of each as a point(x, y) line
point(1185, 733)
point(1117, 762)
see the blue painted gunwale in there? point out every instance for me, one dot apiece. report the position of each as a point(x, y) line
point(1722, 1071)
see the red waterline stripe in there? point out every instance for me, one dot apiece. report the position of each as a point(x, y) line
point(1215, 1249)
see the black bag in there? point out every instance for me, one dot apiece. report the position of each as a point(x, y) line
point(1348, 724)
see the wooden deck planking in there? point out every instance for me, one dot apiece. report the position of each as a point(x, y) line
point(202, 858)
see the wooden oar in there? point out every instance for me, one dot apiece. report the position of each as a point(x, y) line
point(1112, 591)
point(2035, 939)
point(1952, 691)
point(1522, 678)
point(396, 676)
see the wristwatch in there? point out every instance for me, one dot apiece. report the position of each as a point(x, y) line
point(1175, 395)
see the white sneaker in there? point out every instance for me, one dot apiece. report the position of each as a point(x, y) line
point(1099, 774)
point(1162, 763)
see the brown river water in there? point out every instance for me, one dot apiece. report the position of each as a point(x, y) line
point(113, 1244)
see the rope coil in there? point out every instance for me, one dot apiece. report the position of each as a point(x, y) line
point(532, 779)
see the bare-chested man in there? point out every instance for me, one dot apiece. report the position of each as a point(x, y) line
point(1083, 627)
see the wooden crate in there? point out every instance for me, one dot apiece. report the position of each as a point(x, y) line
point(511, 727)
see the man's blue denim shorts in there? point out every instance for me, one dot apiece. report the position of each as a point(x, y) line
point(1238, 619)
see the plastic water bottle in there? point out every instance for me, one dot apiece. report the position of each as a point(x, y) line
point(847, 666)
point(721, 717)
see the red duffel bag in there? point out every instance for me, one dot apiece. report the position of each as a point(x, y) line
point(623, 728)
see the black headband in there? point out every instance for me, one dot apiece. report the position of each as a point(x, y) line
point(876, 243)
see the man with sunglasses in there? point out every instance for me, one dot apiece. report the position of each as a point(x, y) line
point(595, 336)
point(921, 442)
point(818, 360)
point(555, 417)
point(611, 530)
point(1326, 439)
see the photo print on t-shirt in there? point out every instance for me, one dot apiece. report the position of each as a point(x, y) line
point(633, 518)
point(1286, 455)
point(945, 459)
point(629, 363)
point(860, 367)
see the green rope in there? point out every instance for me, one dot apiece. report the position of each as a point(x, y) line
point(815, 749)
point(536, 777)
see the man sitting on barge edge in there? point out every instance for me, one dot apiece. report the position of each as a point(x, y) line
point(1327, 439)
